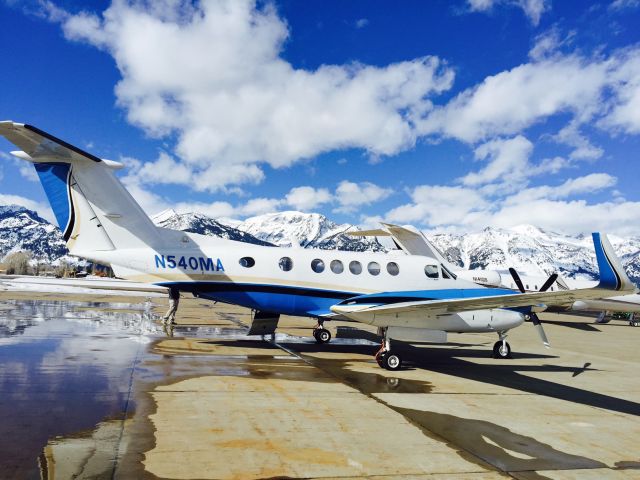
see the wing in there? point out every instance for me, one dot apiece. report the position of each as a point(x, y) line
point(612, 278)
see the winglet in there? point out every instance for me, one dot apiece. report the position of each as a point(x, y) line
point(612, 275)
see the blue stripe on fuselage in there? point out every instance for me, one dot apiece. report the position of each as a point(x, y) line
point(288, 300)
point(312, 302)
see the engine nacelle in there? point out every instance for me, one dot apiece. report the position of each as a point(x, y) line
point(490, 320)
point(488, 278)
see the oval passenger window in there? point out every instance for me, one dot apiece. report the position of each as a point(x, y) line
point(285, 264)
point(247, 262)
point(355, 267)
point(393, 269)
point(317, 265)
point(336, 266)
point(374, 268)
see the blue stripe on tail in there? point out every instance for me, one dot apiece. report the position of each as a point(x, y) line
point(55, 179)
point(609, 278)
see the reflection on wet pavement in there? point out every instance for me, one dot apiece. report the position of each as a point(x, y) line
point(66, 366)
point(100, 390)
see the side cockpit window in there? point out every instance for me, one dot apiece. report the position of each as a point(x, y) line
point(432, 271)
point(446, 273)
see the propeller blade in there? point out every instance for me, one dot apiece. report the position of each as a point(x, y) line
point(516, 278)
point(538, 324)
point(550, 281)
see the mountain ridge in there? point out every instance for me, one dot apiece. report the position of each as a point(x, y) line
point(528, 249)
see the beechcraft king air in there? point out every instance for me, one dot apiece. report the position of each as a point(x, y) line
point(413, 297)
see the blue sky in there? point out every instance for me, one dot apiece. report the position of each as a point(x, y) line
point(448, 115)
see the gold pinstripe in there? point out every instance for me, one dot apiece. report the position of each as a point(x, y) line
point(224, 278)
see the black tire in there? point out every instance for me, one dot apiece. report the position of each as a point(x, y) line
point(392, 361)
point(322, 335)
point(500, 352)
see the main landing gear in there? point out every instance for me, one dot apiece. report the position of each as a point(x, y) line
point(386, 357)
point(321, 334)
point(501, 348)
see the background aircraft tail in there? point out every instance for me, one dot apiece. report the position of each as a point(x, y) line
point(93, 209)
point(612, 274)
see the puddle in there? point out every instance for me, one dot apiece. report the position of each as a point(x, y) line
point(65, 366)
point(67, 380)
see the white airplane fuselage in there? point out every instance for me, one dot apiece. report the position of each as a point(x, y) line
point(251, 276)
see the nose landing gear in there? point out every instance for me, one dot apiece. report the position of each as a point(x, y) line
point(501, 348)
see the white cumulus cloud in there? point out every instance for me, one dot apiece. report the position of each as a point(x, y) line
point(351, 195)
point(533, 9)
point(307, 198)
point(513, 100)
point(508, 161)
point(211, 72)
point(466, 209)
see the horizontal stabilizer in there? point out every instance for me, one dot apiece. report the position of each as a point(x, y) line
point(93, 209)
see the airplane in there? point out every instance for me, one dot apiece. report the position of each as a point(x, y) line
point(413, 242)
point(412, 298)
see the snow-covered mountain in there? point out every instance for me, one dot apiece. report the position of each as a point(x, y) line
point(23, 229)
point(530, 250)
point(533, 251)
point(309, 230)
point(204, 225)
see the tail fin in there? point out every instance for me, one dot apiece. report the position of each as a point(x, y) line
point(612, 274)
point(93, 209)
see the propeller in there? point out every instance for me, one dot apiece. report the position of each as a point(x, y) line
point(533, 316)
point(538, 324)
point(550, 281)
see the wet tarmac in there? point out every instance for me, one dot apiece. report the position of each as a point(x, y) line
point(93, 387)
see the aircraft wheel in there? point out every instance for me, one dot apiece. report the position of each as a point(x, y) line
point(635, 323)
point(390, 361)
point(501, 351)
point(322, 335)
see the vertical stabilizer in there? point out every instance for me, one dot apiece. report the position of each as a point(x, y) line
point(612, 274)
point(93, 209)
